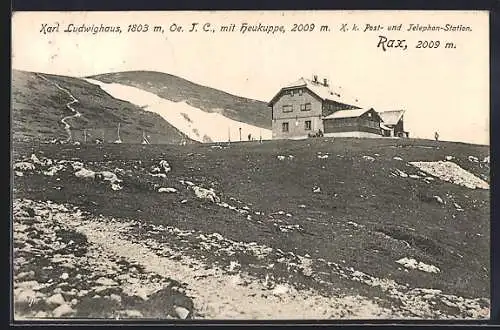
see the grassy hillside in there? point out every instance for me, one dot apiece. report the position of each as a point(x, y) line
point(38, 107)
point(351, 231)
point(208, 99)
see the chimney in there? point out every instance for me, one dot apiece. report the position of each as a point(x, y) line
point(325, 82)
point(315, 78)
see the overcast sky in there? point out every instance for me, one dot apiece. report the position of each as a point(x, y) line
point(444, 90)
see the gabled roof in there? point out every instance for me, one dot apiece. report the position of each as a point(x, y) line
point(298, 83)
point(332, 93)
point(351, 113)
point(391, 117)
point(382, 126)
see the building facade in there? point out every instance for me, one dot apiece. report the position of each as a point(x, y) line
point(298, 109)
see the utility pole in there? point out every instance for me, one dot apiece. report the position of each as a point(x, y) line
point(145, 139)
point(119, 140)
point(240, 134)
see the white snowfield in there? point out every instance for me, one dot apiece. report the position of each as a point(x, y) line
point(197, 124)
point(451, 172)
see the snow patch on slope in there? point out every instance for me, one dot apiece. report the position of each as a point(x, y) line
point(451, 172)
point(197, 124)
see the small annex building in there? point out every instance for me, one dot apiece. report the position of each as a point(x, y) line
point(393, 125)
point(364, 122)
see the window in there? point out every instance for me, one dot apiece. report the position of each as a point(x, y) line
point(305, 107)
point(284, 127)
point(287, 108)
point(291, 92)
point(307, 125)
point(300, 91)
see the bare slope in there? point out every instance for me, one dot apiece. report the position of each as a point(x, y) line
point(208, 99)
point(320, 228)
point(39, 103)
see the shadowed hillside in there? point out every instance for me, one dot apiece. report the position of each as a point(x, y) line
point(38, 106)
point(208, 99)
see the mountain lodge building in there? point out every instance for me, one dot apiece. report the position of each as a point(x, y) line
point(308, 107)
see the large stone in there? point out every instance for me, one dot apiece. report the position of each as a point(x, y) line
point(109, 176)
point(82, 293)
point(206, 194)
point(106, 281)
point(280, 290)
point(56, 299)
point(165, 166)
point(116, 186)
point(27, 284)
point(438, 199)
point(167, 190)
point(369, 158)
point(85, 174)
point(62, 310)
point(24, 296)
point(53, 170)
point(34, 159)
point(99, 289)
point(24, 166)
point(76, 165)
point(181, 312)
point(115, 297)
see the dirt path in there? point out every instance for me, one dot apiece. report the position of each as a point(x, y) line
point(75, 114)
point(216, 294)
point(220, 296)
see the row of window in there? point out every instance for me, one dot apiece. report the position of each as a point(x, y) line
point(292, 92)
point(307, 126)
point(303, 107)
point(348, 122)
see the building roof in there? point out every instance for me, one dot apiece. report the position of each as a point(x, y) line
point(382, 126)
point(391, 117)
point(351, 113)
point(332, 93)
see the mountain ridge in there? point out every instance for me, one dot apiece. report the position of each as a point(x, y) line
point(178, 89)
point(39, 103)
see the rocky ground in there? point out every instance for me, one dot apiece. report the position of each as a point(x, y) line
point(69, 264)
point(151, 238)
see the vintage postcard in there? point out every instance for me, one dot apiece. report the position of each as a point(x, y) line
point(250, 165)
